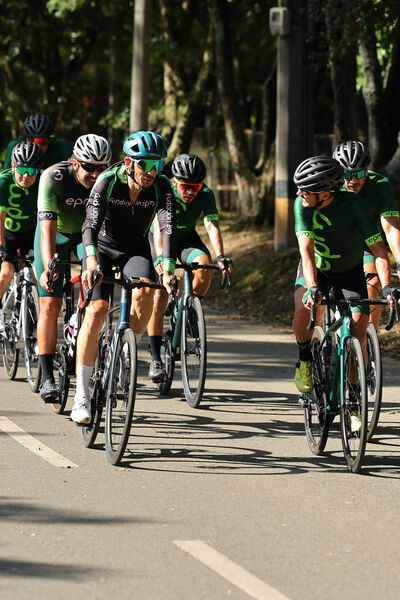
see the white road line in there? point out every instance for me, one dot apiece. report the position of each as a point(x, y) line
point(234, 573)
point(32, 444)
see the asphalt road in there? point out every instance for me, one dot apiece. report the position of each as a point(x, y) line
point(225, 501)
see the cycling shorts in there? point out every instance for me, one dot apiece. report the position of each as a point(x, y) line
point(135, 262)
point(65, 244)
point(14, 242)
point(189, 247)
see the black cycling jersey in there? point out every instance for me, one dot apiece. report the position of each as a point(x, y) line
point(111, 213)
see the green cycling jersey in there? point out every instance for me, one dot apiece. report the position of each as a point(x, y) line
point(19, 203)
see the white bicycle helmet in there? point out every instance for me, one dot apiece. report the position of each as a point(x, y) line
point(91, 148)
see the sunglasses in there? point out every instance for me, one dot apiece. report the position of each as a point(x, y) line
point(38, 140)
point(92, 168)
point(148, 165)
point(28, 171)
point(357, 174)
point(189, 187)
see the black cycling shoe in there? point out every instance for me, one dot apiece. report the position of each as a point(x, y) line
point(49, 392)
point(156, 371)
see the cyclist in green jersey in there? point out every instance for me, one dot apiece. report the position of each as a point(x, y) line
point(377, 196)
point(193, 198)
point(18, 209)
point(63, 192)
point(38, 128)
point(331, 229)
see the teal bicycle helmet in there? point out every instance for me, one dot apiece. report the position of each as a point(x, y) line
point(145, 144)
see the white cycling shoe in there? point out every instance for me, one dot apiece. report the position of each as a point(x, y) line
point(80, 412)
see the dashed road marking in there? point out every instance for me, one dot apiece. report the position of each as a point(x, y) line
point(231, 571)
point(32, 444)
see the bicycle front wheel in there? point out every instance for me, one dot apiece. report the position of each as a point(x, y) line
point(374, 380)
point(316, 417)
point(62, 377)
point(8, 336)
point(96, 397)
point(31, 347)
point(193, 352)
point(353, 406)
point(121, 400)
point(168, 359)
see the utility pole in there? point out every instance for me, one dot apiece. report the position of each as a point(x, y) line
point(293, 112)
point(140, 66)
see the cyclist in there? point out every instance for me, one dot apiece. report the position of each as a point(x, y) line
point(63, 192)
point(331, 229)
point(119, 212)
point(193, 198)
point(38, 128)
point(18, 209)
point(377, 196)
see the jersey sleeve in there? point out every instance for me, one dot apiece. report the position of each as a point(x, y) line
point(210, 211)
point(303, 219)
point(95, 212)
point(388, 205)
point(166, 213)
point(4, 187)
point(48, 196)
point(366, 224)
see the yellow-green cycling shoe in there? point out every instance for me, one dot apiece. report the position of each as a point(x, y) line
point(303, 377)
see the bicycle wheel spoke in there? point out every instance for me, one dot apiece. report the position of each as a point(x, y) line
point(194, 352)
point(31, 348)
point(9, 336)
point(373, 379)
point(168, 359)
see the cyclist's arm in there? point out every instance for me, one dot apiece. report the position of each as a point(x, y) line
point(166, 214)
point(391, 228)
point(381, 262)
point(306, 247)
point(157, 237)
point(95, 212)
point(3, 215)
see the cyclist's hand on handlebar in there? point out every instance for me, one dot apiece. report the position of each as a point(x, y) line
point(166, 279)
point(44, 280)
point(158, 265)
point(391, 294)
point(87, 275)
point(311, 296)
point(224, 263)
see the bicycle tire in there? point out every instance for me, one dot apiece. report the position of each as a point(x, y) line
point(193, 352)
point(168, 359)
point(62, 378)
point(353, 405)
point(374, 380)
point(8, 336)
point(96, 397)
point(31, 348)
point(316, 418)
point(121, 401)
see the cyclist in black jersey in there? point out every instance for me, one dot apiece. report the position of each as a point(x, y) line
point(119, 212)
point(18, 209)
point(38, 128)
point(63, 191)
point(193, 199)
point(375, 193)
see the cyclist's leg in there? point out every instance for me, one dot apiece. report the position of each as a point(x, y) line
point(156, 321)
point(194, 250)
point(373, 287)
point(301, 318)
point(6, 275)
point(139, 264)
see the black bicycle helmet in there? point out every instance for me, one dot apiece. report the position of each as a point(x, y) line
point(38, 126)
point(27, 154)
point(92, 148)
point(319, 174)
point(352, 155)
point(145, 144)
point(189, 167)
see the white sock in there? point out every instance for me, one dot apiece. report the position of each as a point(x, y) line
point(138, 337)
point(83, 375)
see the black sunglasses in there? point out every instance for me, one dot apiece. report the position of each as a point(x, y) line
point(92, 168)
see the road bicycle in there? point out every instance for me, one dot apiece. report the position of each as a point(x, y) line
point(340, 383)
point(186, 338)
point(113, 383)
point(20, 307)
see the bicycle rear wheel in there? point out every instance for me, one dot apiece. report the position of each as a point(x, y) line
point(353, 405)
point(8, 336)
point(168, 359)
point(316, 418)
point(62, 377)
point(31, 347)
point(374, 380)
point(121, 401)
point(193, 352)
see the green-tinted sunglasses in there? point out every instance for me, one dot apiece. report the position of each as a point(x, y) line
point(28, 171)
point(357, 174)
point(148, 165)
